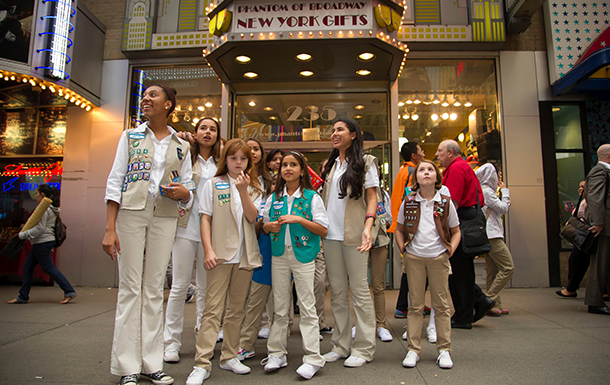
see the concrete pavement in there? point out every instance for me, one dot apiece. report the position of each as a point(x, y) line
point(544, 340)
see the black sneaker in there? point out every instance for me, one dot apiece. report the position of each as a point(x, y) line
point(326, 330)
point(158, 378)
point(129, 379)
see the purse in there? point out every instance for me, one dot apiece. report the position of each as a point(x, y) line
point(576, 231)
point(474, 234)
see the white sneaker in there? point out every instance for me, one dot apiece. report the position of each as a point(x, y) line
point(332, 356)
point(243, 354)
point(444, 360)
point(264, 333)
point(235, 366)
point(321, 337)
point(431, 335)
point(354, 362)
point(197, 376)
point(354, 332)
point(410, 360)
point(384, 334)
point(307, 371)
point(273, 362)
point(404, 335)
point(220, 336)
point(171, 355)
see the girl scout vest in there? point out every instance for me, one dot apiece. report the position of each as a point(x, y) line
point(184, 220)
point(412, 213)
point(305, 244)
point(355, 210)
point(225, 234)
point(136, 182)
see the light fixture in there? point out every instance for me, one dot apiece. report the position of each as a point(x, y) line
point(445, 115)
point(445, 102)
point(461, 137)
point(409, 101)
point(434, 117)
point(201, 108)
point(243, 59)
point(468, 102)
point(427, 100)
point(417, 100)
point(366, 56)
point(208, 103)
point(187, 117)
point(273, 117)
point(359, 107)
point(415, 115)
point(363, 72)
point(406, 116)
point(306, 74)
point(436, 100)
point(250, 75)
point(401, 103)
point(175, 118)
point(453, 116)
point(303, 57)
point(456, 102)
point(195, 120)
point(357, 116)
point(556, 109)
point(268, 108)
point(252, 104)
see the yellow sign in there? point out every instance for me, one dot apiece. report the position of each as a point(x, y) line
point(387, 17)
point(220, 22)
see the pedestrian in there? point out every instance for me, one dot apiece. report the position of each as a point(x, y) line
point(499, 261)
point(597, 193)
point(428, 234)
point(465, 191)
point(350, 197)
point(231, 252)
point(150, 169)
point(296, 219)
point(187, 248)
point(42, 238)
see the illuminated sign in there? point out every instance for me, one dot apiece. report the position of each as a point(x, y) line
point(15, 172)
point(59, 28)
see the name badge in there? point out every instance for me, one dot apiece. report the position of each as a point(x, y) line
point(137, 135)
point(190, 185)
point(222, 185)
point(278, 205)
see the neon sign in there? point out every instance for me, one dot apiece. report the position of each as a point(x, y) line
point(59, 29)
point(44, 170)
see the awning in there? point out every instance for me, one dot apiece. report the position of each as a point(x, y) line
point(591, 73)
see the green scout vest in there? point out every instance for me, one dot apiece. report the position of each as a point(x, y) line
point(305, 244)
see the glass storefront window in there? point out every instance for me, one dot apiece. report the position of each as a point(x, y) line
point(451, 99)
point(309, 117)
point(568, 132)
point(198, 93)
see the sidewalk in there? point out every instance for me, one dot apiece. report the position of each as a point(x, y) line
point(544, 340)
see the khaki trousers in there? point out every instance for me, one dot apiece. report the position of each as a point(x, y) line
point(379, 257)
point(257, 299)
point(500, 268)
point(228, 285)
point(321, 286)
point(437, 272)
point(303, 274)
point(347, 272)
point(137, 346)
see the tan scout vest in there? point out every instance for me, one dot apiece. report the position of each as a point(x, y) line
point(137, 179)
point(355, 210)
point(225, 234)
point(184, 220)
point(412, 213)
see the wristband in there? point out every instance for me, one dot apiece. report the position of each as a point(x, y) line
point(369, 216)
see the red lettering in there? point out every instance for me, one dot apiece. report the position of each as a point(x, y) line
point(302, 21)
point(292, 21)
point(241, 23)
point(265, 22)
point(313, 21)
point(363, 20)
point(327, 20)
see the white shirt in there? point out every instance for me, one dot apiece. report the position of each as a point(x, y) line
point(206, 206)
point(318, 212)
point(114, 185)
point(336, 207)
point(427, 242)
point(192, 231)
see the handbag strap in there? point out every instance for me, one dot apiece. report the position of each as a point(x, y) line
point(575, 212)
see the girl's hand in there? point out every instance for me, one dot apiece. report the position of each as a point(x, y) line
point(242, 182)
point(290, 219)
point(176, 191)
point(366, 241)
point(501, 184)
point(111, 244)
point(450, 251)
point(273, 227)
point(210, 260)
point(185, 135)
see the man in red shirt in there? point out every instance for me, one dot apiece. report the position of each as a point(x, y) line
point(464, 186)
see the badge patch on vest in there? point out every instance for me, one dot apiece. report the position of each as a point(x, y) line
point(180, 155)
point(278, 205)
point(223, 198)
point(137, 135)
point(222, 185)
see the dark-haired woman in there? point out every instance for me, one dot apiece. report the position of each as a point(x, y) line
point(273, 160)
point(42, 238)
point(351, 201)
point(188, 248)
point(145, 196)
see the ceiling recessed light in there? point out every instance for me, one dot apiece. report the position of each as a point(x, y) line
point(304, 57)
point(243, 59)
point(252, 104)
point(250, 75)
point(306, 73)
point(363, 72)
point(366, 56)
point(273, 117)
point(359, 107)
point(357, 116)
point(268, 108)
